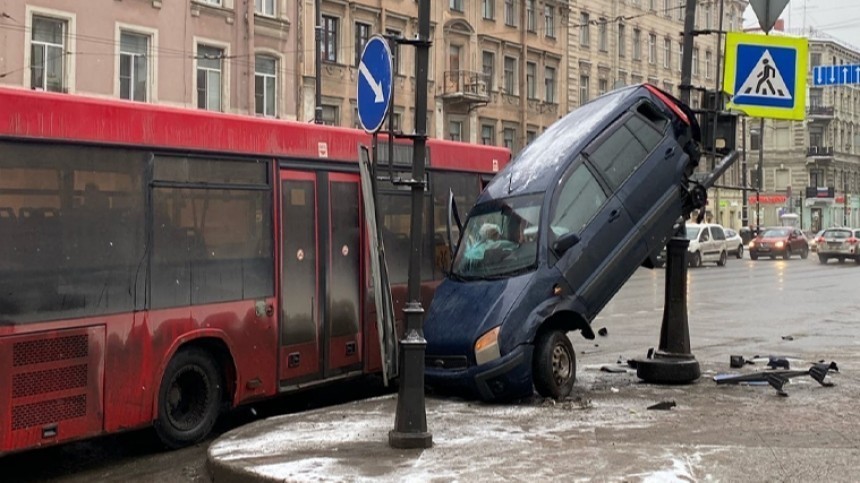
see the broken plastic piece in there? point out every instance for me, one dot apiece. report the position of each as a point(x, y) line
point(613, 369)
point(603, 332)
point(787, 337)
point(736, 361)
point(777, 379)
point(778, 363)
point(664, 406)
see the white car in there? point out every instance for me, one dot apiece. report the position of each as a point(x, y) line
point(734, 243)
point(707, 244)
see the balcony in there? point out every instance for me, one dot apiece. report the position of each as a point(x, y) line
point(817, 154)
point(817, 112)
point(466, 87)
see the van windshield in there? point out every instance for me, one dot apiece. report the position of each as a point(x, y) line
point(499, 239)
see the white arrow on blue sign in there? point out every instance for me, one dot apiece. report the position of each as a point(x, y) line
point(833, 75)
point(374, 83)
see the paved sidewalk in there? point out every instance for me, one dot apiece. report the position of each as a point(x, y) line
point(604, 433)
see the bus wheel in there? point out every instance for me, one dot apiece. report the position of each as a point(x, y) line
point(189, 399)
point(554, 366)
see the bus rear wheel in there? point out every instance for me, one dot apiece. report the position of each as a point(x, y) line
point(189, 399)
point(554, 366)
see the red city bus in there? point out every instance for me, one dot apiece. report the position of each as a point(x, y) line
point(160, 264)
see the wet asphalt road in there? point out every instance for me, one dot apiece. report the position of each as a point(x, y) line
point(746, 308)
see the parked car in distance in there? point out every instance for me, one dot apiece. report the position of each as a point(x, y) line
point(734, 243)
point(552, 239)
point(814, 239)
point(839, 243)
point(707, 244)
point(779, 241)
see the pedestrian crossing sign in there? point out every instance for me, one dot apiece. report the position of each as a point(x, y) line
point(766, 75)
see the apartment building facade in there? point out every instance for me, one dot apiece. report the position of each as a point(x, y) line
point(614, 43)
point(497, 74)
point(812, 168)
point(221, 55)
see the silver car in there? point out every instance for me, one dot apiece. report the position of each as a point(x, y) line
point(839, 243)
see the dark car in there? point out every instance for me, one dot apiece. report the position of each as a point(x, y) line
point(779, 242)
point(554, 236)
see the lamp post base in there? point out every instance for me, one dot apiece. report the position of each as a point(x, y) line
point(400, 440)
point(668, 369)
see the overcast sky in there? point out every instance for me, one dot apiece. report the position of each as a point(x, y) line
point(838, 18)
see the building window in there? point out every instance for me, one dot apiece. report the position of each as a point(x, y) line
point(395, 51)
point(583, 89)
point(209, 77)
point(549, 82)
point(708, 60)
point(456, 5)
point(652, 5)
point(133, 66)
point(708, 20)
point(330, 115)
point(488, 63)
point(549, 20)
point(212, 2)
point(815, 60)
point(489, 9)
point(680, 55)
point(329, 38)
point(622, 41)
point(637, 44)
point(265, 85)
point(682, 9)
point(510, 75)
point(47, 54)
point(454, 57)
point(667, 53)
point(488, 134)
point(602, 86)
point(695, 61)
point(510, 13)
point(531, 17)
point(667, 8)
point(755, 139)
point(264, 7)
point(455, 130)
point(652, 48)
point(530, 136)
point(601, 35)
point(531, 85)
point(583, 29)
point(362, 35)
point(622, 78)
point(509, 135)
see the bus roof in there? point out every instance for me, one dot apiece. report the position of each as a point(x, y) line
point(76, 118)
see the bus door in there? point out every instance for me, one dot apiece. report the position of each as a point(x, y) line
point(320, 276)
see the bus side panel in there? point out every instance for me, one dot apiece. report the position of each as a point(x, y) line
point(52, 391)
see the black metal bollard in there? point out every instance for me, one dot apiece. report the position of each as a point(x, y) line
point(410, 421)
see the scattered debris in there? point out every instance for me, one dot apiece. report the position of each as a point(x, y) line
point(777, 379)
point(787, 337)
point(663, 406)
point(614, 369)
point(621, 360)
point(614, 389)
point(603, 332)
point(778, 363)
point(632, 363)
point(736, 361)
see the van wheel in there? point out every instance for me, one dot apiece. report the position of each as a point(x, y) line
point(554, 365)
point(722, 261)
point(189, 399)
point(696, 260)
point(740, 252)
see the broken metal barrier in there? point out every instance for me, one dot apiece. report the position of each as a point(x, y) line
point(778, 379)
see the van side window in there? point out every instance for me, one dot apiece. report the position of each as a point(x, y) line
point(578, 201)
point(653, 115)
point(705, 236)
point(718, 232)
point(621, 153)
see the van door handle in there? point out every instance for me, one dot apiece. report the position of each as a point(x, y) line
point(669, 152)
point(613, 215)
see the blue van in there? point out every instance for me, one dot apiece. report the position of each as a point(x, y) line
point(554, 236)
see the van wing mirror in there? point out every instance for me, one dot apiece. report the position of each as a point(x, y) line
point(453, 217)
point(564, 243)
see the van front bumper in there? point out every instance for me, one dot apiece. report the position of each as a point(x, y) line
point(507, 377)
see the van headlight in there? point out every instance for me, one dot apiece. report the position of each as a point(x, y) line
point(487, 347)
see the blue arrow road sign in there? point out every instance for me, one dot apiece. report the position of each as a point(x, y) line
point(835, 75)
point(374, 83)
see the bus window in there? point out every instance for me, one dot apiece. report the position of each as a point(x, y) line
point(78, 239)
point(395, 205)
point(210, 245)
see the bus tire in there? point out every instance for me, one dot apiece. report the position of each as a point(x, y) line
point(189, 399)
point(554, 365)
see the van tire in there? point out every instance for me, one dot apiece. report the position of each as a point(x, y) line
point(189, 398)
point(722, 261)
point(740, 253)
point(554, 365)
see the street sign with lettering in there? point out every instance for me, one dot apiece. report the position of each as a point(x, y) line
point(835, 75)
point(766, 75)
point(373, 96)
